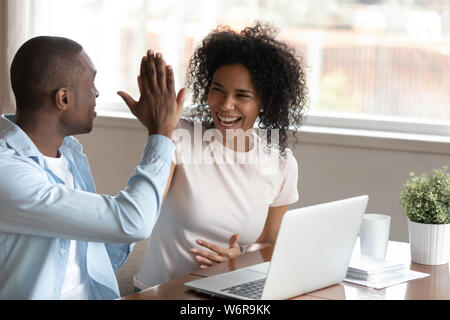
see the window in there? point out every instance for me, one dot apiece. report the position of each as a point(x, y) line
point(367, 59)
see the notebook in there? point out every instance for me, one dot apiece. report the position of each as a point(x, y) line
point(312, 251)
point(378, 273)
point(389, 279)
point(365, 267)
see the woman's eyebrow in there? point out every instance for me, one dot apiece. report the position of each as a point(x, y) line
point(244, 91)
point(217, 84)
point(237, 90)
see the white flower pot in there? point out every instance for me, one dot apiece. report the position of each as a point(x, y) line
point(430, 243)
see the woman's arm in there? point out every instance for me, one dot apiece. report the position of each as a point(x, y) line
point(169, 180)
point(270, 230)
point(219, 254)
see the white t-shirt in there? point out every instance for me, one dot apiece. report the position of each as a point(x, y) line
point(75, 286)
point(212, 200)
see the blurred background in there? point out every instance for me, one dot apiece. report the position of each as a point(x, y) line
point(388, 58)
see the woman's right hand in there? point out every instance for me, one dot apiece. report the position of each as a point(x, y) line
point(216, 254)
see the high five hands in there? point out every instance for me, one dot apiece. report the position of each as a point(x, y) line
point(158, 107)
point(218, 254)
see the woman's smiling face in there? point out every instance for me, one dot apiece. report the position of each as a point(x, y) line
point(233, 100)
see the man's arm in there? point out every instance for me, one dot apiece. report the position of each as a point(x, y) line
point(30, 204)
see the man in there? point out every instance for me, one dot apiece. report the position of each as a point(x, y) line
point(58, 238)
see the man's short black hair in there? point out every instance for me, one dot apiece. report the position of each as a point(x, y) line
point(41, 66)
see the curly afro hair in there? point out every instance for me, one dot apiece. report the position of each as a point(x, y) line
point(276, 73)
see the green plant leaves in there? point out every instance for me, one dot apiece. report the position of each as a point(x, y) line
point(426, 198)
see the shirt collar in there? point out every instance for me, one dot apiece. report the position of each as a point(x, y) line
point(19, 140)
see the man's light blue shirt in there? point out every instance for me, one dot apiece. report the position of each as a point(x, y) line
point(39, 216)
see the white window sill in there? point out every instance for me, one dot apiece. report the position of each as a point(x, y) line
point(325, 135)
point(375, 139)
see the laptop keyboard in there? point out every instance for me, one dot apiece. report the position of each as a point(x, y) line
point(252, 290)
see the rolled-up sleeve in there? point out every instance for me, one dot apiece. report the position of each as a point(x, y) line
point(31, 204)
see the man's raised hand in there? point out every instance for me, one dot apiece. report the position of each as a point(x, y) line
point(158, 108)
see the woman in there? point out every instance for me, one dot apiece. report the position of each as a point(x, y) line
point(221, 201)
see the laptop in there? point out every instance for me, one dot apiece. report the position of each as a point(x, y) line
point(312, 251)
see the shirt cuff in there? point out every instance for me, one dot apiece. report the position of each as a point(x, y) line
point(159, 147)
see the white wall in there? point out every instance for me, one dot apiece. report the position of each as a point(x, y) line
point(331, 166)
point(330, 172)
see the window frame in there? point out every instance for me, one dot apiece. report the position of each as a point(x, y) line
point(378, 123)
point(341, 124)
point(325, 121)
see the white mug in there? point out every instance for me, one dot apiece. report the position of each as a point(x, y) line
point(374, 234)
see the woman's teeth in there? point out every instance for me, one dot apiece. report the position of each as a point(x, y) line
point(227, 121)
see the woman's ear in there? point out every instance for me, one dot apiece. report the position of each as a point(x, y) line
point(62, 98)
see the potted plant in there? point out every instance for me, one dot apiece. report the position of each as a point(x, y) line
point(426, 199)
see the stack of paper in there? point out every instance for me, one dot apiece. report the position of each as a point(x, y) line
point(379, 273)
point(368, 268)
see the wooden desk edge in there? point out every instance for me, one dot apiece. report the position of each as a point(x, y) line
point(175, 289)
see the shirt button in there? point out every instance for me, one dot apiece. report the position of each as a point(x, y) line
point(62, 251)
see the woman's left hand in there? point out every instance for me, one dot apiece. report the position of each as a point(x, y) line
point(219, 254)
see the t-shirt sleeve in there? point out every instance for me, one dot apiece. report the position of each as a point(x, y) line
point(182, 138)
point(288, 192)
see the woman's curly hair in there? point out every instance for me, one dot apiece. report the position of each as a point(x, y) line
point(276, 73)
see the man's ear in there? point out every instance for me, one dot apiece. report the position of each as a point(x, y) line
point(62, 98)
